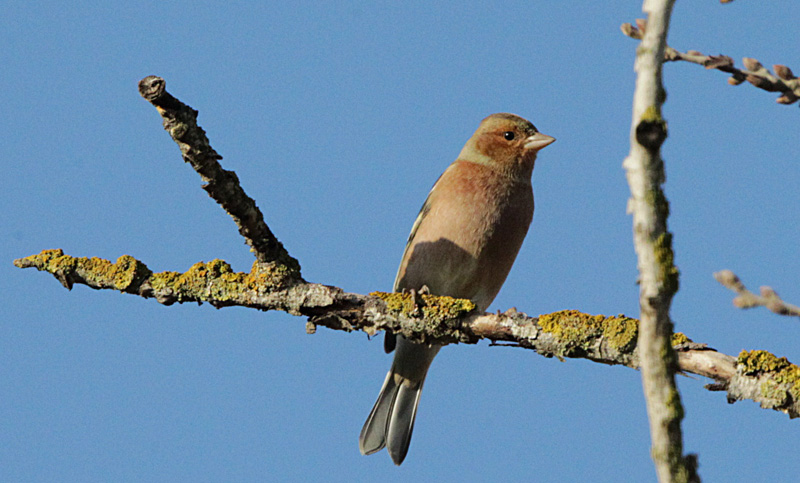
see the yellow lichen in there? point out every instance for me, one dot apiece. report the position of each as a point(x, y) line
point(576, 329)
point(679, 338)
point(434, 307)
point(215, 281)
point(758, 361)
point(445, 308)
point(571, 326)
point(434, 315)
point(621, 332)
point(669, 273)
point(275, 276)
point(97, 272)
point(652, 114)
point(674, 404)
point(658, 201)
point(127, 271)
point(785, 376)
point(396, 302)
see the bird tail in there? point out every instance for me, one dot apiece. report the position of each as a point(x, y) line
point(391, 421)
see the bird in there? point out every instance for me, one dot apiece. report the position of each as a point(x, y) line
point(462, 245)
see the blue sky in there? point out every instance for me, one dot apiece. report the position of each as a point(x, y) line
point(338, 119)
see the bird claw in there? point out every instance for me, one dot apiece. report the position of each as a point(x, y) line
point(390, 339)
point(416, 298)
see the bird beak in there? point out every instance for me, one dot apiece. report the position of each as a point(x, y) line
point(538, 141)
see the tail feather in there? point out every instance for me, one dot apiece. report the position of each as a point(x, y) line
point(391, 421)
point(401, 421)
point(373, 434)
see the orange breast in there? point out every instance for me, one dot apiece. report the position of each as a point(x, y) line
point(467, 242)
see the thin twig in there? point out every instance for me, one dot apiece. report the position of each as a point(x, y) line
point(180, 121)
point(745, 299)
point(783, 80)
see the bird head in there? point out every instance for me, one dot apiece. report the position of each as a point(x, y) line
point(506, 142)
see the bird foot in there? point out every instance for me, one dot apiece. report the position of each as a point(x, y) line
point(416, 298)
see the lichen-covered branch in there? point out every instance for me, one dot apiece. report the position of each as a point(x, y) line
point(746, 299)
point(759, 376)
point(658, 277)
point(783, 80)
point(180, 121)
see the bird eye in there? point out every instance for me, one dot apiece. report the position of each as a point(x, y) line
point(508, 135)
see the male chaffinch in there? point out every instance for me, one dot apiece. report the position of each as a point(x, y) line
point(462, 244)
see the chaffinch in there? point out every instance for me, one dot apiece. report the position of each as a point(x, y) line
point(462, 244)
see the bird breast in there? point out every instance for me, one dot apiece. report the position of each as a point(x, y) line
point(467, 241)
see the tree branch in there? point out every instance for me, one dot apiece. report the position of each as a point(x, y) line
point(180, 121)
point(783, 81)
point(658, 277)
point(755, 375)
point(746, 299)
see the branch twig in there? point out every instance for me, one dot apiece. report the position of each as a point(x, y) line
point(180, 121)
point(745, 299)
point(442, 320)
point(783, 81)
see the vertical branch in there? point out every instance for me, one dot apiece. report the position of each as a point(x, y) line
point(658, 276)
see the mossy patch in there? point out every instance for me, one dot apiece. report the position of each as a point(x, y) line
point(276, 276)
point(214, 281)
point(434, 307)
point(652, 114)
point(785, 376)
point(437, 316)
point(658, 201)
point(679, 338)
point(126, 273)
point(217, 281)
point(666, 262)
point(758, 361)
point(674, 405)
point(579, 330)
point(621, 332)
